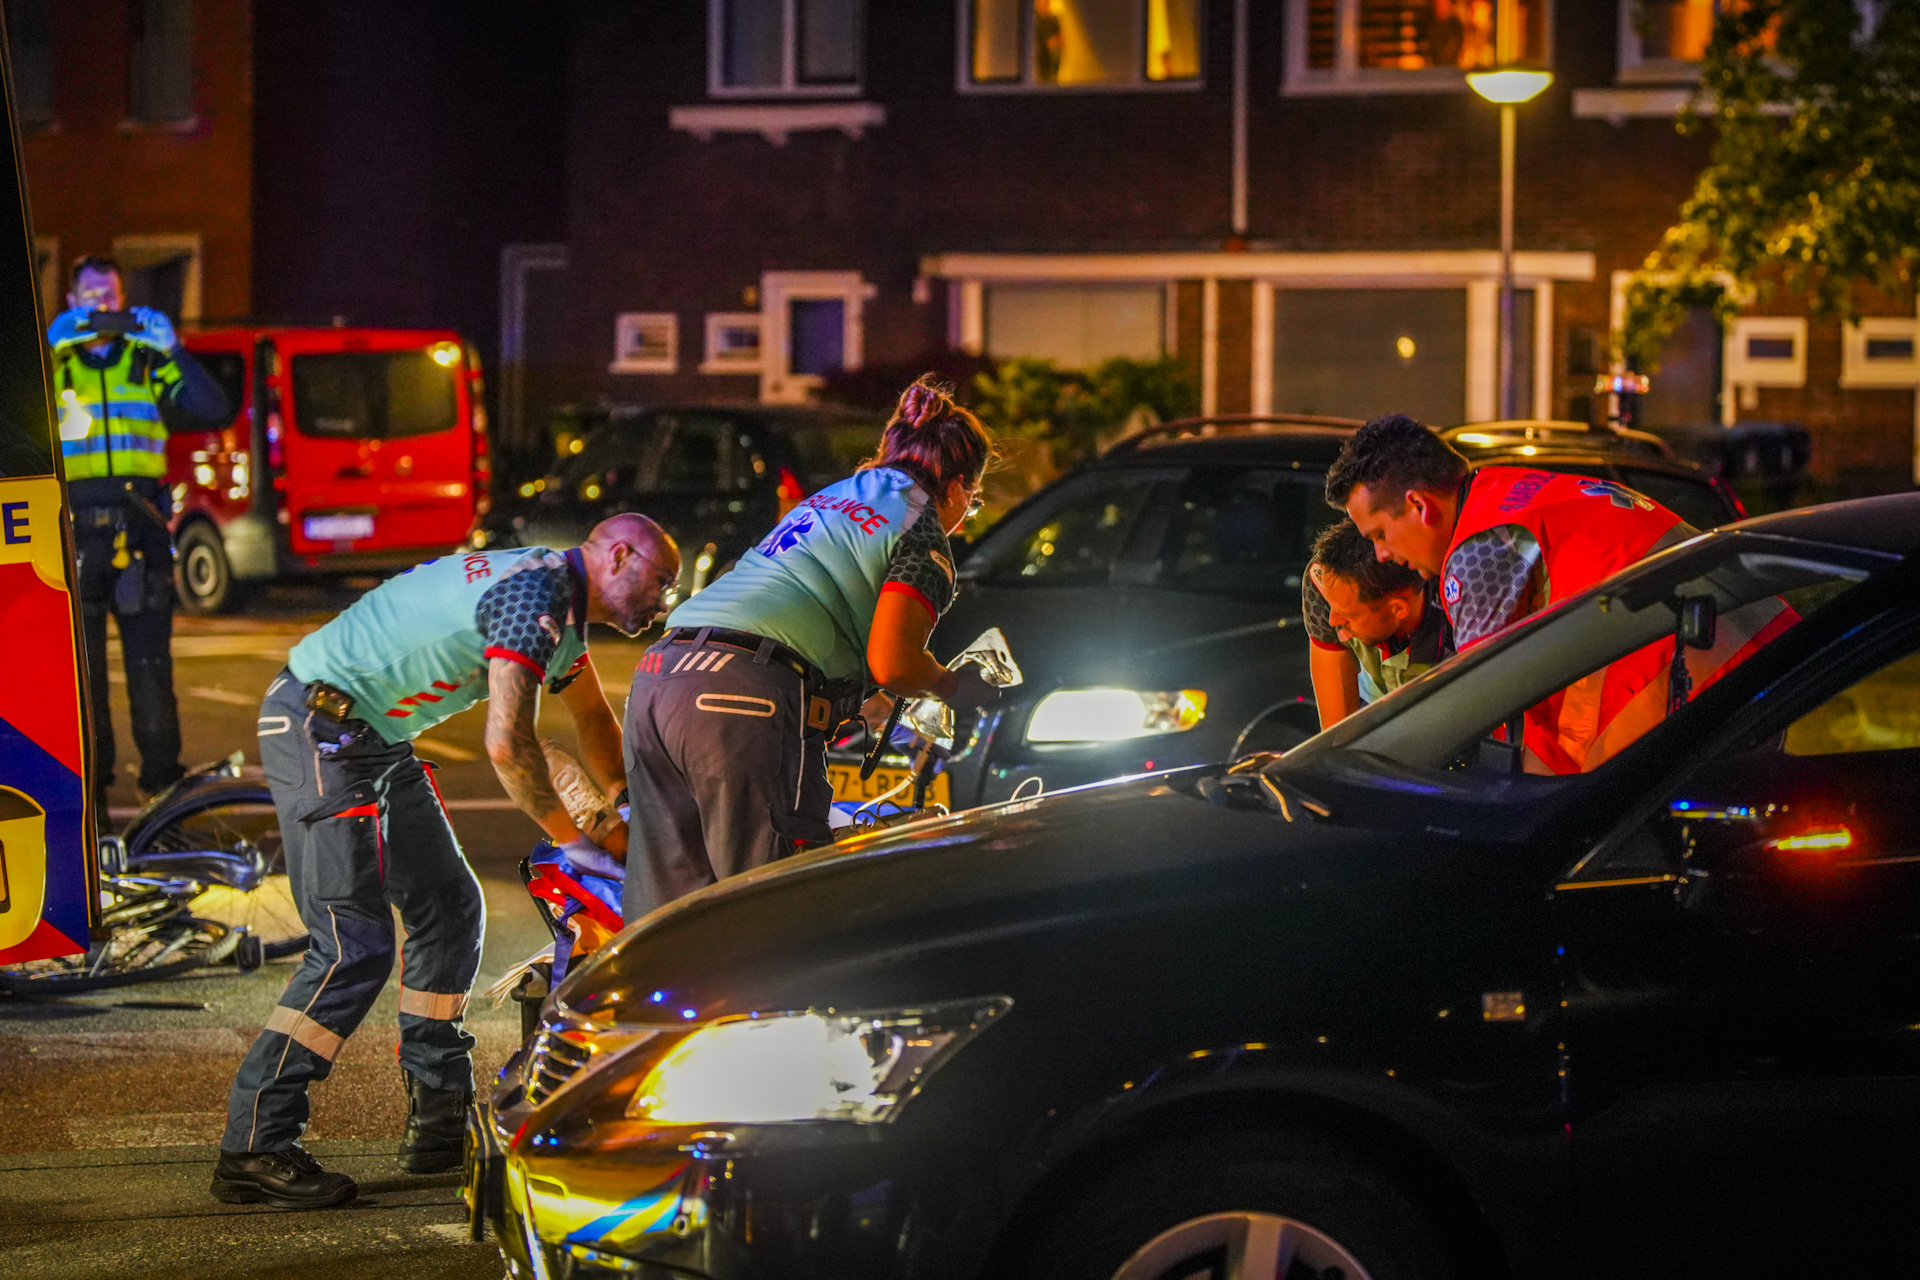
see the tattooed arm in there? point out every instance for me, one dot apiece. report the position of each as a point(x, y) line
point(513, 693)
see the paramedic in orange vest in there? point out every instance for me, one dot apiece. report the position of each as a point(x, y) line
point(1507, 541)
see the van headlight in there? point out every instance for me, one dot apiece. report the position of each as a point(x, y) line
point(768, 1068)
point(1114, 715)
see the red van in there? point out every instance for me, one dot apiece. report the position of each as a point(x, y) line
point(350, 450)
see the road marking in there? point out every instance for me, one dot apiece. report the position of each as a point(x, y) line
point(439, 747)
point(228, 696)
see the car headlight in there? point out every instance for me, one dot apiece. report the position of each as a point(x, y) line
point(1114, 715)
point(807, 1066)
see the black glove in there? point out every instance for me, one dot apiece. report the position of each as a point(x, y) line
point(972, 689)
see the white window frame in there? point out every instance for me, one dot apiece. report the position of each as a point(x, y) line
point(963, 60)
point(1858, 372)
point(716, 360)
point(790, 85)
point(1345, 77)
point(626, 324)
point(779, 384)
point(135, 252)
point(1743, 376)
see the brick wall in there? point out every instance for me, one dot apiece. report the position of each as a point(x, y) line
point(669, 222)
point(96, 176)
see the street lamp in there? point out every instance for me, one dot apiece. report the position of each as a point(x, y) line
point(1508, 87)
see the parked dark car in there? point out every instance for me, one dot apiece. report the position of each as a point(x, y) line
point(717, 476)
point(1152, 598)
point(1380, 1007)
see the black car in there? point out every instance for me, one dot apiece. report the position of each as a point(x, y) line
point(716, 476)
point(1380, 1007)
point(1152, 598)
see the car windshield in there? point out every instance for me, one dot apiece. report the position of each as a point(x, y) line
point(1761, 587)
point(1242, 531)
point(375, 395)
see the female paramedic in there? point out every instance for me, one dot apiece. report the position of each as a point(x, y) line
point(730, 714)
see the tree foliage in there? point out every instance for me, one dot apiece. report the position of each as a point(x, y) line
point(1075, 413)
point(1813, 185)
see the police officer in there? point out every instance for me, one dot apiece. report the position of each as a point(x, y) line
point(363, 826)
point(730, 713)
point(116, 397)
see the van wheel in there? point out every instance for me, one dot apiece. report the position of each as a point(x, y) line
point(1251, 1205)
point(201, 575)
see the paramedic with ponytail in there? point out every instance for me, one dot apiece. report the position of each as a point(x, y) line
point(731, 712)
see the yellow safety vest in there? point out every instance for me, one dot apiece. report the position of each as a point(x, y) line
point(110, 418)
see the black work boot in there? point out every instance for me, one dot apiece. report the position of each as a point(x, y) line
point(436, 1126)
point(292, 1179)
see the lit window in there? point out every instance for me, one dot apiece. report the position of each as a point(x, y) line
point(646, 342)
point(1363, 46)
point(1077, 326)
point(1083, 43)
point(786, 46)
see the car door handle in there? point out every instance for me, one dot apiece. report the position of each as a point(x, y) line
point(360, 472)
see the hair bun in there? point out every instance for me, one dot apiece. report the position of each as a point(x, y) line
point(928, 400)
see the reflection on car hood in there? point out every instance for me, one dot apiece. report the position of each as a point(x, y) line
point(1129, 848)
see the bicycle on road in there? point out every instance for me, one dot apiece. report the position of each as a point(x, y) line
point(197, 878)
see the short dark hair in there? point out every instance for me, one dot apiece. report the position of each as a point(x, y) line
point(93, 262)
point(1393, 454)
point(1342, 549)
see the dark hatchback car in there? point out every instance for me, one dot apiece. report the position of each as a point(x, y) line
point(1152, 598)
point(1380, 1007)
point(716, 476)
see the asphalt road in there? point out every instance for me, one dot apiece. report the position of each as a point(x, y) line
point(111, 1105)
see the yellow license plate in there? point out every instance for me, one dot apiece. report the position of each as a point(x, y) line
point(847, 785)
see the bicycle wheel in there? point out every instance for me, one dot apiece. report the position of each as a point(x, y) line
point(154, 937)
point(226, 834)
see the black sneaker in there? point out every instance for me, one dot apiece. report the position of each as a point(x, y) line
point(292, 1179)
point(436, 1137)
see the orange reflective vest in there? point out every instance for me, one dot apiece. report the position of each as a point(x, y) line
point(1526, 539)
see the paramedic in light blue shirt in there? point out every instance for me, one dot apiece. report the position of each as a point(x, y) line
point(727, 726)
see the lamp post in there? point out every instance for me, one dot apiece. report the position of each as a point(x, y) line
point(1507, 87)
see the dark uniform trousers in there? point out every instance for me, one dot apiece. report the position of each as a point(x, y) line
point(722, 771)
point(142, 605)
point(363, 828)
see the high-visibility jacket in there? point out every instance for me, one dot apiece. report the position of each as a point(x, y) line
point(1526, 539)
point(118, 407)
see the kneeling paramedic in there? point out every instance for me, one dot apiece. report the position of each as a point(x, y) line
point(730, 714)
point(364, 828)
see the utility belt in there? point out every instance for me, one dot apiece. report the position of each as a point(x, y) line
point(829, 703)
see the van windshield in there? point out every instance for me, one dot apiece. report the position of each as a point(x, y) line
point(374, 395)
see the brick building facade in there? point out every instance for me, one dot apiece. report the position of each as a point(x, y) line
point(762, 189)
point(137, 140)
